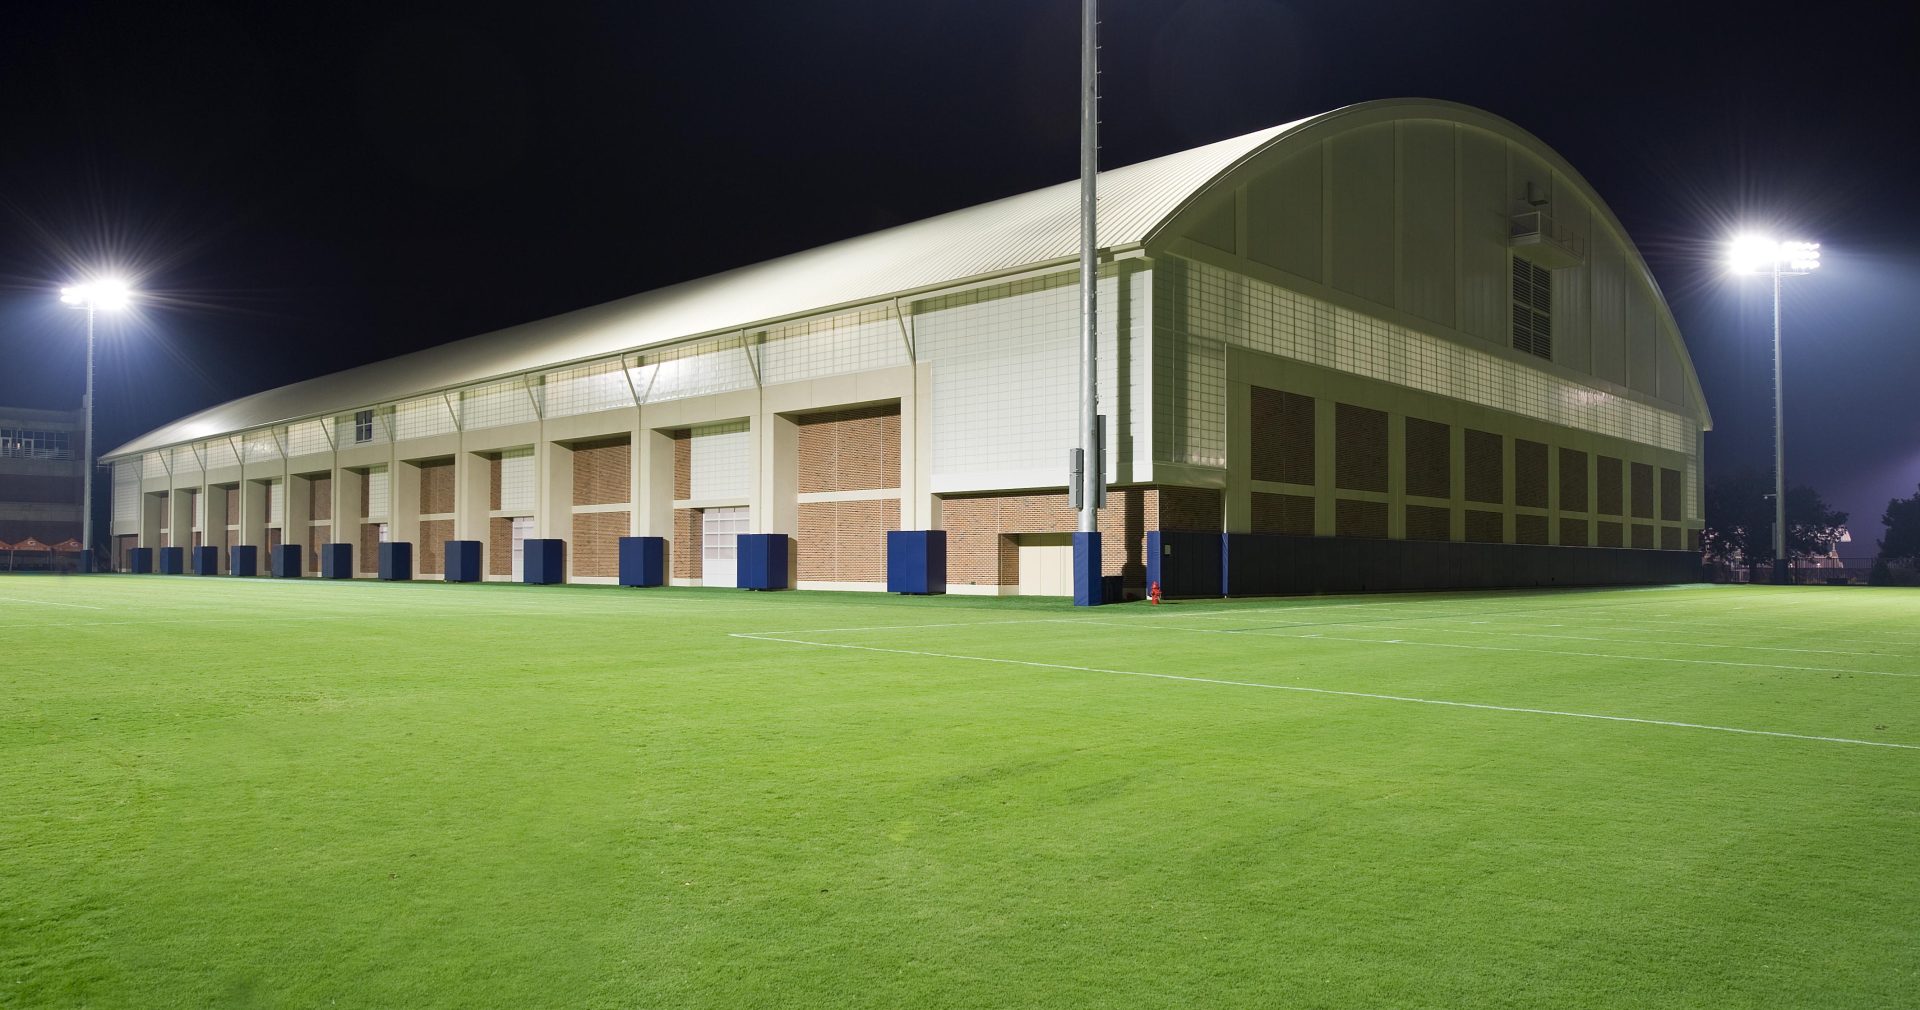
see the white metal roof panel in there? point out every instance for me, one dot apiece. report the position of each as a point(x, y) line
point(999, 237)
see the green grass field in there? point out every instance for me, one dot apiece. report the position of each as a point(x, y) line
point(222, 792)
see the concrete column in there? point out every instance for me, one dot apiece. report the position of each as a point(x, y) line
point(153, 511)
point(1238, 495)
point(253, 513)
point(553, 491)
point(180, 517)
point(346, 506)
point(653, 506)
point(1457, 481)
point(1323, 468)
point(776, 491)
point(472, 488)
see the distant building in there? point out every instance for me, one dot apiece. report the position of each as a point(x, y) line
point(40, 471)
point(1399, 344)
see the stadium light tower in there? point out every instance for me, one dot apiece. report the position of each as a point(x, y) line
point(110, 294)
point(1755, 254)
point(1086, 478)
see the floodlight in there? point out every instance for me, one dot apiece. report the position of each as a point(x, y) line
point(112, 293)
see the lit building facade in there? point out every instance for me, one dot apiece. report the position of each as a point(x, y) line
point(1403, 322)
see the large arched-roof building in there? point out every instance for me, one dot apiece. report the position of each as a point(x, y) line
point(1391, 326)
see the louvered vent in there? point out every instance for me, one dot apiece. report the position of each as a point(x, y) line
point(1532, 309)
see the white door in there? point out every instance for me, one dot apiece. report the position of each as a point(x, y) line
point(522, 532)
point(718, 553)
point(1046, 564)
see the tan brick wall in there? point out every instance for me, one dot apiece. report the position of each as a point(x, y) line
point(682, 467)
point(596, 541)
point(233, 505)
point(436, 487)
point(1281, 426)
point(493, 482)
point(320, 498)
point(499, 538)
point(845, 541)
point(602, 474)
point(430, 554)
point(1190, 508)
point(685, 552)
point(366, 493)
point(1291, 514)
point(316, 536)
point(981, 549)
point(367, 554)
point(849, 450)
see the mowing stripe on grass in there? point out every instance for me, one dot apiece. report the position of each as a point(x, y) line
point(1337, 693)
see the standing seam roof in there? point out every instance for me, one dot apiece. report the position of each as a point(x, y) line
point(998, 237)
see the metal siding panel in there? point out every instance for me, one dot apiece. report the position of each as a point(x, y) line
point(1608, 323)
point(1643, 351)
point(1426, 200)
point(1363, 213)
point(1483, 235)
point(1285, 215)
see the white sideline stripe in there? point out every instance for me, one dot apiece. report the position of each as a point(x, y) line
point(1621, 641)
point(915, 627)
point(49, 603)
point(1341, 694)
point(1503, 648)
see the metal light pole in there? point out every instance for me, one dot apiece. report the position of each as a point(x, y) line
point(109, 294)
point(1091, 465)
point(1749, 255)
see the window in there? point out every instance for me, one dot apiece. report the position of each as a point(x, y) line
point(362, 426)
point(1532, 309)
point(23, 443)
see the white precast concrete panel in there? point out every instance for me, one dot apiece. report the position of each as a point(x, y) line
point(126, 497)
point(718, 462)
point(517, 479)
point(379, 492)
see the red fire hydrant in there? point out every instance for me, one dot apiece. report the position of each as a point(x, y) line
point(1153, 594)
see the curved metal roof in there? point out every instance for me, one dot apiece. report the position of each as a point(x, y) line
point(993, 238)
point(1137, 203)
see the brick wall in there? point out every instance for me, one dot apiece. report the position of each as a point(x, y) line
point(316, 536)
point(682, 465)
point(981, 549)
point(493, 481)
point(430, 554)
point(849, 450)
point(320, 498)
point(499, 539)
point(436, 487)
point(596, 542)
point(686, 540)
point(367, 555)
point(845, 541)
point(602, 473)
point(233, 505)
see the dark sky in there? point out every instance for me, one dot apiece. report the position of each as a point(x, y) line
point(309, 187)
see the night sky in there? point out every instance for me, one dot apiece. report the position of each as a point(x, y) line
point(305, 188)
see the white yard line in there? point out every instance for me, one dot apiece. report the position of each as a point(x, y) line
point(49, 603)
point(1341, 694)
point(1501, 648)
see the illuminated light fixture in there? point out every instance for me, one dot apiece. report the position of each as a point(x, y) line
point(1754, 254)
point(111, 293)
point(1757, 254)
